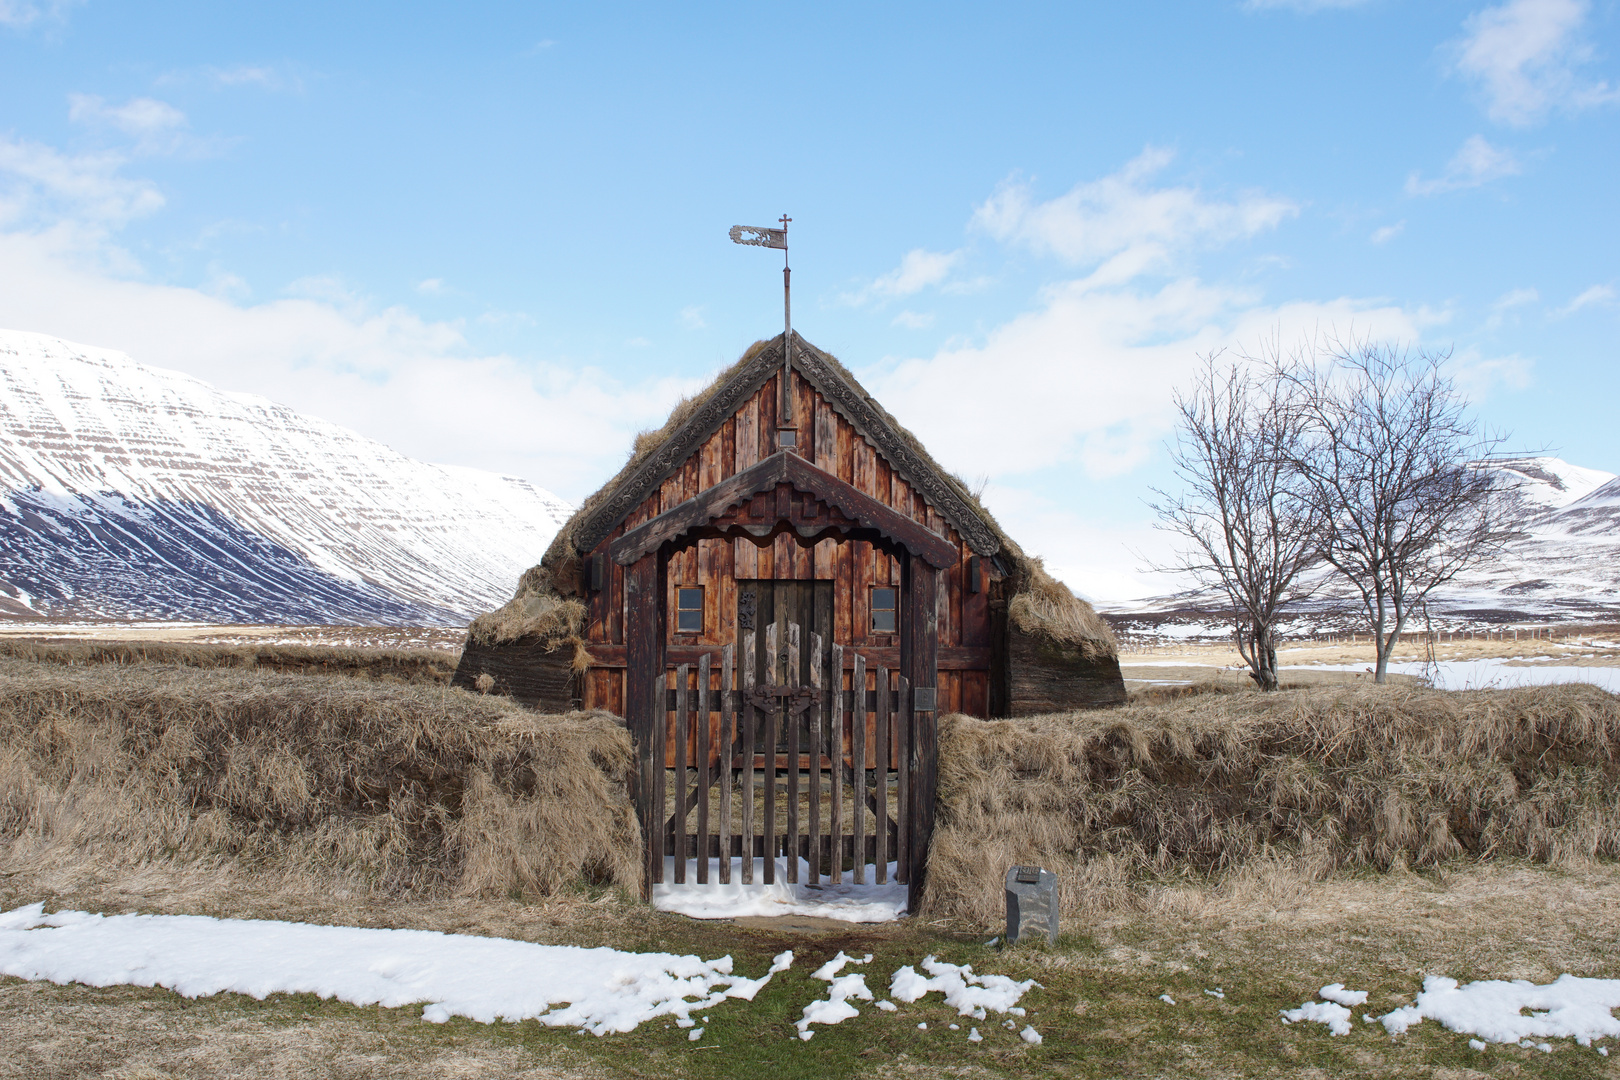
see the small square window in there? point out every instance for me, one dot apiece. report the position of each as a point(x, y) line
point(689, 609)
point(885, 610)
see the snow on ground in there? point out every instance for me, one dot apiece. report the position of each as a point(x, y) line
point(967, 993)
point(846, 902)
point(1495, 1010)
point(835, 1007)
point(486, 979)
point(1493, 674)
point(1567, 1007)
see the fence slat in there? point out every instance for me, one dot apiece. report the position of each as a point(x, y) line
point(880, 781)
point(678, 834)
point(857, 727)
point(750, 731)
point(773, 645)
point(902, 804)
point(790, 717)
point(814, 773)
point(703, 772)
point(728, 749)
point(836, 780)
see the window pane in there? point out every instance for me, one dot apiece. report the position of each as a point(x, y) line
point(689, 610)
point(884, 614)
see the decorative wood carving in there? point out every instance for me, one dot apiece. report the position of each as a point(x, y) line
point(844, 399)
point(778, 472)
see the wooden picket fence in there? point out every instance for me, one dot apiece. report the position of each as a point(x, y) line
point(761, 768)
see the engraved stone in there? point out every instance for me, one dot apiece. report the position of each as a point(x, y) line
point(1032, 903)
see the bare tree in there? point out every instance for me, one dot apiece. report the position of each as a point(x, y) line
point(1247, 511)
point(1396, 468)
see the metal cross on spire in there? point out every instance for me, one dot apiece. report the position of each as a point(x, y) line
point(777, 238)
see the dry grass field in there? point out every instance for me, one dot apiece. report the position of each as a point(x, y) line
point(1146, 666)
point(1265, 845)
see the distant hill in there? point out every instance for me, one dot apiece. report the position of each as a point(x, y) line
point(129, 491)
point(1564, 565)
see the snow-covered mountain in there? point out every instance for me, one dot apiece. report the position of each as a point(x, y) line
point(1563, 565)
point(1566, 563)
point(129, 491)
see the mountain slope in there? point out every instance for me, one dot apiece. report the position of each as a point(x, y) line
point(135, 492)
point(1565, 564)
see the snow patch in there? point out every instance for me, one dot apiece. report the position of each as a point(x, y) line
point(598, 990)
point(846, 902)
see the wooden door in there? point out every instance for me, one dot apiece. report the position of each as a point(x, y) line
point(762, 604)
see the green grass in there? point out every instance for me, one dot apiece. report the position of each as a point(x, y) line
point(1098, 1011)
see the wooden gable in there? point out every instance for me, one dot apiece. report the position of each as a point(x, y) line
point(840, 436)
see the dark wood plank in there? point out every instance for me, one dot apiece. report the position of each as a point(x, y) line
point(963, 658)
point(750, 717)
point(728, 747)
point(835, 730)
point(703, 770)
point(902, 803)
point(818, 747)
point(644, 707)
point(880, 776)
point(904, 810)
point(748, 434)
point(773, 643)
point(795, 632)
point(857, 729)
point(678, 834)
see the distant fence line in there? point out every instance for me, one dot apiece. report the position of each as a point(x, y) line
point(1146, 642)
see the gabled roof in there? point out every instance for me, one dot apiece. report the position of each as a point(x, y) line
point(852, 507)
point(627, 491)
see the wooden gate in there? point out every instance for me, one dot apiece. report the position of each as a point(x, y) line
point(759, 765)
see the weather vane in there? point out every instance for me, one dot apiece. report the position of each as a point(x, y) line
point(777, 238)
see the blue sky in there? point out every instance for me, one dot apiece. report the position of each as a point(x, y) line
point(496, 235)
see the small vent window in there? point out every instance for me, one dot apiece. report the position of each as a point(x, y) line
point(885, 610)
point(689, 609)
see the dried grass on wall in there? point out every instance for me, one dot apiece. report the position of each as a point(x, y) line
point(433, 666)
point(1325, 778)
point(329, 781)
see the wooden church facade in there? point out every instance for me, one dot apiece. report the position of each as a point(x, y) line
point(825, 531)
point(780, 596)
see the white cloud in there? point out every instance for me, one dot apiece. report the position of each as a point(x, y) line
point(1084, 379)
point(1386, 233)
point(1515, 297)
point(1476, 162)
point(20, 13)
point(1505, 303)
point(914, 320)
point(1525, 57)
point(431, 286)
point(1598, 295)
point(692, 317)
point(39, 183)
point(156, 126)
point(1478, 375)
point(917, 270)
point(253, 75)
point(414, 384)
point(137, 116)
point(1122, 223)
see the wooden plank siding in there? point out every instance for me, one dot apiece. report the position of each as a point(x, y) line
point(963, 618)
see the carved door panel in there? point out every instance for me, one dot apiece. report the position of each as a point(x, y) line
point(807, 604)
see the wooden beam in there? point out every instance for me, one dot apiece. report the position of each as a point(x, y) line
point(644, 705)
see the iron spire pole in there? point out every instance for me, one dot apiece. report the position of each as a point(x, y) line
point(787, 327)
